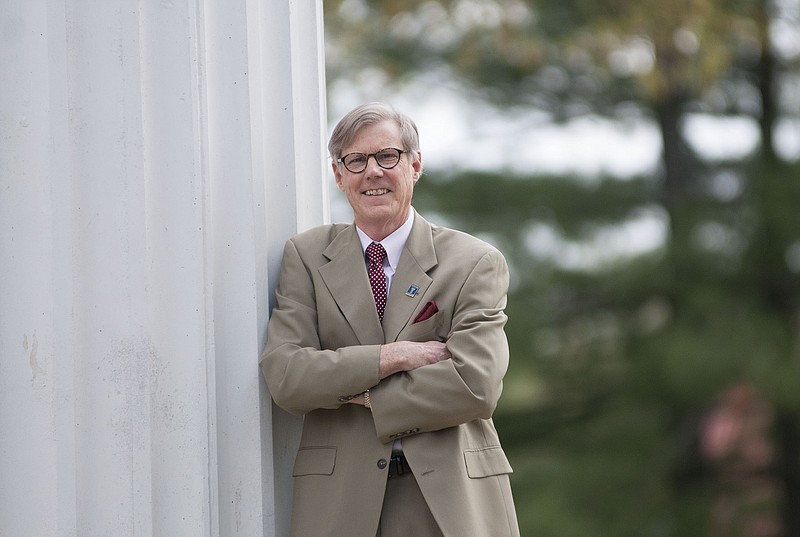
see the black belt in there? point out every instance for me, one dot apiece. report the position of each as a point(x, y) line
point(398, 465)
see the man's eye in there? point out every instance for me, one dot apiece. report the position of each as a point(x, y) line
point(355, 160)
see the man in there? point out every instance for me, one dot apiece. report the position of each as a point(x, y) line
point(395, 358)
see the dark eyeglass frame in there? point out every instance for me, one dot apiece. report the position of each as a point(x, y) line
point(400, 152)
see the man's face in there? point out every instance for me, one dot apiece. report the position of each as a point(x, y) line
point(380, 198)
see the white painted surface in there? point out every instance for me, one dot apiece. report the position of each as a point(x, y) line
point(154, 157)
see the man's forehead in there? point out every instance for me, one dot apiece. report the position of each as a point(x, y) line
point(375, 136)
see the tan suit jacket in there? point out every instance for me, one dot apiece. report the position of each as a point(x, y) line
point(323, 346)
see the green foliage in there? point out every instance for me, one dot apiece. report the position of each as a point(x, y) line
point(562, 57)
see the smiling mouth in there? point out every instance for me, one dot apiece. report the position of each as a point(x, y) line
point(376, 192)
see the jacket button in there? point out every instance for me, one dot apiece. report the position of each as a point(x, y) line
point(382, 463)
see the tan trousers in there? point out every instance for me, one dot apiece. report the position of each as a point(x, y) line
point(405, 512)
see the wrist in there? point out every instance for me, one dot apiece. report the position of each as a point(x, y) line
point(391, 360)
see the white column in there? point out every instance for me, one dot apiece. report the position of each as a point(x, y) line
point(154, 157)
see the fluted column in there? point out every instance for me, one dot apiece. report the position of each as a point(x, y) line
point(154, 156)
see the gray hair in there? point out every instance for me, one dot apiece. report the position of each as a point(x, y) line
point(370, 114)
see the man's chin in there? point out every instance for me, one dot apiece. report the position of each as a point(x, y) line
point(378, 217)
point(378, 211)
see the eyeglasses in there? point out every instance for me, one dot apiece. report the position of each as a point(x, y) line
point(386, 158)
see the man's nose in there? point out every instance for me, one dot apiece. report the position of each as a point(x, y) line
point(373, 168)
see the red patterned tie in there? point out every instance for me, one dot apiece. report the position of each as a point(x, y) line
point(377, 277)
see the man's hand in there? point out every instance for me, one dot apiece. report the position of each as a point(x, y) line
point(405, 356)
point(409, 355)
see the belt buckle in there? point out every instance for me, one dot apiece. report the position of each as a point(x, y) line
point(398, 465)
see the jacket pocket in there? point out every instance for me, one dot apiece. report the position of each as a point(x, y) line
point(485, 462)
point(314, 461)
point(422, 331)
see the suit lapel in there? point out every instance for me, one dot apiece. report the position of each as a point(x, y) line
point(417, 259)
point(346, 278)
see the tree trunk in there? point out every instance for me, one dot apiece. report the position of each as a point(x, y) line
point(788, 439)
point(766, 73)
point(679, 161)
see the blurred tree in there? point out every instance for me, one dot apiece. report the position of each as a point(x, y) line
point(629, 366)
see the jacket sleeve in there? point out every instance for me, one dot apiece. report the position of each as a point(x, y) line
point(301, 376)
point(468, 386)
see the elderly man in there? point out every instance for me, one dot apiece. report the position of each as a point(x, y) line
point(388, 337)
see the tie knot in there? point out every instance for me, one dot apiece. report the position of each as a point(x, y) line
point(376, 253)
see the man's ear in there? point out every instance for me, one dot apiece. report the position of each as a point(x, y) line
point(337, 175)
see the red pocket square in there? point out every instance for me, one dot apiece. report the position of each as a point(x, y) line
point(427, 312)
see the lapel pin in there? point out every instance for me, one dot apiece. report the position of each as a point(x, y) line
point(412, 290)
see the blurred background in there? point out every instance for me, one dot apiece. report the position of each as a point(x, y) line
point(638, 164)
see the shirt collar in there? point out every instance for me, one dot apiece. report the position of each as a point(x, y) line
point(394, 243)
